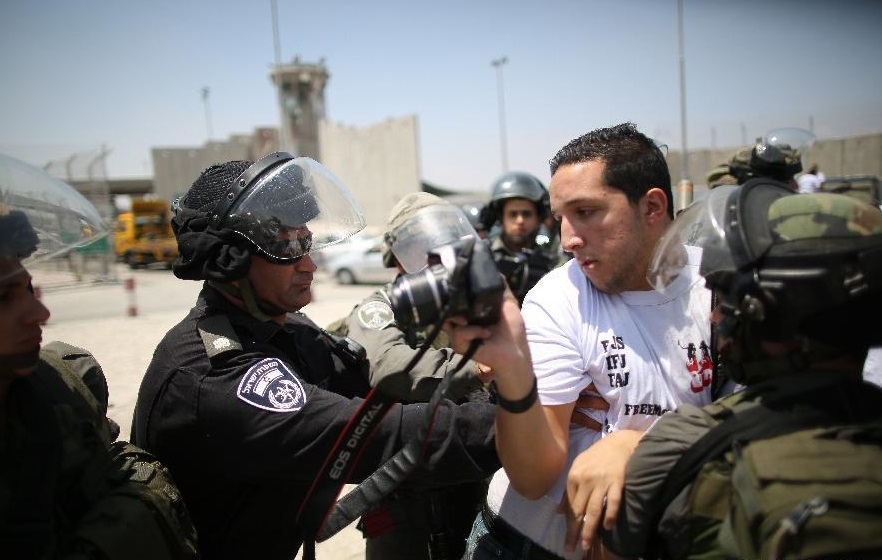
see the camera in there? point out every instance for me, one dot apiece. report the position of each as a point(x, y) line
point(513, 269)
point(466, 282)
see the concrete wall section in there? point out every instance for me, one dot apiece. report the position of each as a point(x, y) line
point(175, 168)
point(856, 155)
point(861, 152)
point(379, 163)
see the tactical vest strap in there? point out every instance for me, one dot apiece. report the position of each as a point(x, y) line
point(784, 410)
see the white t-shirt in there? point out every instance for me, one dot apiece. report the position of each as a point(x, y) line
point(808, 183)
point(645, 351)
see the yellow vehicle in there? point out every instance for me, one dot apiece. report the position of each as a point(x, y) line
point(143, 236)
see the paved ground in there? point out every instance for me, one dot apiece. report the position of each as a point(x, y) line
point(94, 314)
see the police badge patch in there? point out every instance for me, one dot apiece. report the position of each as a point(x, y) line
point(375, 315)
point(270, 385)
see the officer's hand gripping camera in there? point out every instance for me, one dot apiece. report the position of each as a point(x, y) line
point(465, 283)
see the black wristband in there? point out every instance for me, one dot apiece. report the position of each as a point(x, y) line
point(516, 407)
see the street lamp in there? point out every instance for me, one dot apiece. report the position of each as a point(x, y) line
point(498, 63)
point(205, 92)
point(284, 136)
point(684, 187)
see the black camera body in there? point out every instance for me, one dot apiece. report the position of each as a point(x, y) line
point(514, 269)
point(466, 283)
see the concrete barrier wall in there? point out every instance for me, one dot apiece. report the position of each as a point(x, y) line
point(857, 155)
point(380, 163)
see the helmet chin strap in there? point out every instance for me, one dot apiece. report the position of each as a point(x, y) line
point(747, 362)
point(244, 292)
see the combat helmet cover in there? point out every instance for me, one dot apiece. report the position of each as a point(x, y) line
point(421, 223)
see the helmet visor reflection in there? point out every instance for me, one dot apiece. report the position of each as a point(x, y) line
point(700, 225)
point(429, 228)
point(42, 216)
point(273, 213)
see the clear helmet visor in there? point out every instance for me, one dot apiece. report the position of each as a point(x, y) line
point(41, 216)
point(428, 228)
point(290, 206)
point(700, 225)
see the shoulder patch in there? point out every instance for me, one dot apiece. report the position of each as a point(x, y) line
point(375, 315)
point(270, 385)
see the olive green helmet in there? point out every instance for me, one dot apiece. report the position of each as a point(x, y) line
point(783, 264)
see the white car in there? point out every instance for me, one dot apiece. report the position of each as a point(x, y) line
point(360, 239)
point(359, 263)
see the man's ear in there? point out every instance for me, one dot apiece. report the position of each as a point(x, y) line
point(654, 204)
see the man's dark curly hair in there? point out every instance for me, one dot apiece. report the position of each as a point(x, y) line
point(634, 164)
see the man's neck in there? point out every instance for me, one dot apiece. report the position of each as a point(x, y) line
point(231, 292)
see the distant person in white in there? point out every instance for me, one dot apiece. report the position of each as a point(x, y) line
point(811, 180)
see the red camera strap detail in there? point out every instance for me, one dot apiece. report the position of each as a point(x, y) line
point(340, 461)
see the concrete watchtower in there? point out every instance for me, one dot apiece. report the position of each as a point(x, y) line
point(301, 89)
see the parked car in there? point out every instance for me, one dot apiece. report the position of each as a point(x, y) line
point(362, 239)
point(360, 263)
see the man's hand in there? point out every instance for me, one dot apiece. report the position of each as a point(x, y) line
point(594, 487)
point(484, 372)
point(503, 345)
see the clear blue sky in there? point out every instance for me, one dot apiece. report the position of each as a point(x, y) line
point(77, 75)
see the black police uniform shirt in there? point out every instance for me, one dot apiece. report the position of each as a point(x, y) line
point(246, 431)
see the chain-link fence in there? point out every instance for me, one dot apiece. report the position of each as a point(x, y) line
point(86, 169)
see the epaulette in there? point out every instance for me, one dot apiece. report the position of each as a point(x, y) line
point(218, 335)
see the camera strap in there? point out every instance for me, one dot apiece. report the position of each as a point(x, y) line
point(342, 458)
point(391, 474)
point(321, 500)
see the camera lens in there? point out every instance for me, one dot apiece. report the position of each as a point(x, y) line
point(419, 298)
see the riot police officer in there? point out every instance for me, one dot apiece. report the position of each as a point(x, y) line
point(246, 396)
point(524, 248)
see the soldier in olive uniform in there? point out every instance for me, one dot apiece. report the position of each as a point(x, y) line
point(414, 524)
point(796, 279)
point(777, 155)
point(68, 489)
point(523, 246)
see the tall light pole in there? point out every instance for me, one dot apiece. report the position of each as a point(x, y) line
point(205, 92)
point(277, 63)
point(684, 160)
point(503, 144)
point(684, 187)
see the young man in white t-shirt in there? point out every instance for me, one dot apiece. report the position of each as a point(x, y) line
point(593, 324)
